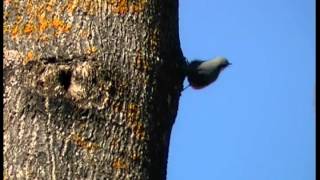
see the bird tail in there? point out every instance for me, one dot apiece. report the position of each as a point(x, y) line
point(186, 87)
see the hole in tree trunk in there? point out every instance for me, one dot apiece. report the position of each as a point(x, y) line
point(65, 79)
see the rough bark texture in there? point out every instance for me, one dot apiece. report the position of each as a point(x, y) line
point(91, 88)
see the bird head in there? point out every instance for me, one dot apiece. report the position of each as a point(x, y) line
point(222, 62)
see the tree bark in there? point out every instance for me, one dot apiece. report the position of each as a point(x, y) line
point(91, 88)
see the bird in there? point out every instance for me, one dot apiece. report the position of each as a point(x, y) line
point(202, 73)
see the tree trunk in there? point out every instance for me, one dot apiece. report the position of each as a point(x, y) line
point(91, 88)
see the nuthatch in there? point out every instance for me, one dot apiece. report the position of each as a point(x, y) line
point(202, 73)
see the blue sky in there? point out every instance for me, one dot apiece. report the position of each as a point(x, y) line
point(257, 121)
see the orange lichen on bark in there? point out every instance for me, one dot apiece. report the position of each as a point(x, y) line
point(36, 20)
point(56, 23)
point(30, 56)
point(87, 6)
point(141, 63)
point(127, 6)
point(138, 130)
point(44, 37)
point(15, 29)
point(50, 5)
point(6, 28)
point(121, 7)
point(60, 25)
point(43, 22)
point(28, 28)
point(71, 6)
point(85, 144)
point(137, 127)
point(119, 164)
point(91, 50)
